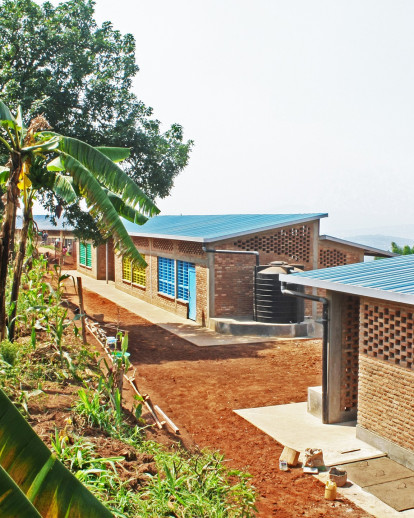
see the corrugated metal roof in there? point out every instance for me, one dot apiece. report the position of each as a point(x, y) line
point(389, 279)
point(368, 250)
point(43, 223)
point(210, 228)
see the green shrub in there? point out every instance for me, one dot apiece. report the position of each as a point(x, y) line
point(8, 351)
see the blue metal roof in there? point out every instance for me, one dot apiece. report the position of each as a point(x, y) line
point(210, 228)
point(389, 279)
point(43, 223)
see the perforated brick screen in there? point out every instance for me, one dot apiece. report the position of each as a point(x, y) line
point(166, 245)
point(331, 257)
point(293, 242)
point(387, 333)
point(141, 242)
point(188, 247)
point(350, 353)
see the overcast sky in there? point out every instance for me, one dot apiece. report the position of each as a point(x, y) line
point(294, 106)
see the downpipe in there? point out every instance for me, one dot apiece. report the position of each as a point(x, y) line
point(325, 323)
point(243, 252)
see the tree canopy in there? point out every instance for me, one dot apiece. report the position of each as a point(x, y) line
point(402, 250)
point(57, 61)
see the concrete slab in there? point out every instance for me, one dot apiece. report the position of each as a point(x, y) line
point(184, 328)
point(368, 501)
point(376, 471)
point(398, 494)
point(292, 426)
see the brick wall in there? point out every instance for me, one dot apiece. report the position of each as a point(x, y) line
point(293, 244)
point(386, 371)
point(385, 403)
point(233, 285)
point(336, 254)
point(234, 274)
point(173, 249)
point(350, 353)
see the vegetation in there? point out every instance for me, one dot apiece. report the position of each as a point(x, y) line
point(402, 250)
point(57, 61)
point(40, 159)
point(131, 476)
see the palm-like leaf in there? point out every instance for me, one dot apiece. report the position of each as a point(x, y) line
point(106, 172)
point(125, 210)
point(116, 154)
point(13, 502)
point(6, 118)
point(102, 209)
point(45, 481)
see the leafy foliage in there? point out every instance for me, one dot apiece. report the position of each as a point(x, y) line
point(402, 250)
point(58, 61)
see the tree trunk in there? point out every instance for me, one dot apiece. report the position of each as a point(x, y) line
point(11, 199)
point(27, 218)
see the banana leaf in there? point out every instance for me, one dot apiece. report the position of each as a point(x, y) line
point(13, 502)
point(41, 477)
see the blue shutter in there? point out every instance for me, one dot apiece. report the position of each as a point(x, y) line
point(166, 276)
point(182, 280)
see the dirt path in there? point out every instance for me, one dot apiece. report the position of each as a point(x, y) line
point(199, 388)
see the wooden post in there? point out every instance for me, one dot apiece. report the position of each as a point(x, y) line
point(82, 312)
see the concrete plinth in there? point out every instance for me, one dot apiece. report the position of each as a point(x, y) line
point(244, 327)
point(315, 401)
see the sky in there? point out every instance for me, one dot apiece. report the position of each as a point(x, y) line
point(294, 106)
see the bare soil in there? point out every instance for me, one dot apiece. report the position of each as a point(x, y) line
point(199, 388)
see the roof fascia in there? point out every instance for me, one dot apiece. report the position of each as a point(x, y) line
point(226, 236)
point(369, 249)
point(391, 296)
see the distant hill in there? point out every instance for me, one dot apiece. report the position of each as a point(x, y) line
point(380, 241)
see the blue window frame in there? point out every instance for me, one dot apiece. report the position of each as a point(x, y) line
point(166, 276)
point(182, 280)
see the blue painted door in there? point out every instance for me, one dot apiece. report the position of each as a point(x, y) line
point(191, 293)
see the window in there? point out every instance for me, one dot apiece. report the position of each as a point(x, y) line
point(166, 276)
point(126, 269)
point(85, 254)
point(136, 273)
point(182, 280)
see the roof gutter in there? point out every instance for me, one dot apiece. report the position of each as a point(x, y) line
point(325, 323)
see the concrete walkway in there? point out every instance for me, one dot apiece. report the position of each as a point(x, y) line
point(182, 327)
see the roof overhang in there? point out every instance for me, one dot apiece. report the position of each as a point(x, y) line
point(226, 236)
point(368, 250)
point(392, 296)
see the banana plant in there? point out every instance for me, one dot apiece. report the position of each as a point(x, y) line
point(92, 171)
point(33, 482)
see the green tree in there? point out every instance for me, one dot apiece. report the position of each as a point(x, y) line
point(105, 186)
point(59, 62)
point(404, 250)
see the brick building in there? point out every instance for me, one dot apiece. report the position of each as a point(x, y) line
point(185, 276)
point(370, 360)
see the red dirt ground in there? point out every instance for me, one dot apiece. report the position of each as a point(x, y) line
point(199, 388)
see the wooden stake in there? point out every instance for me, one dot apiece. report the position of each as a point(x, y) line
point(170, 423)
point(82, 312)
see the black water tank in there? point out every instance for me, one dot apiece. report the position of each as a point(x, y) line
point(271, 305)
